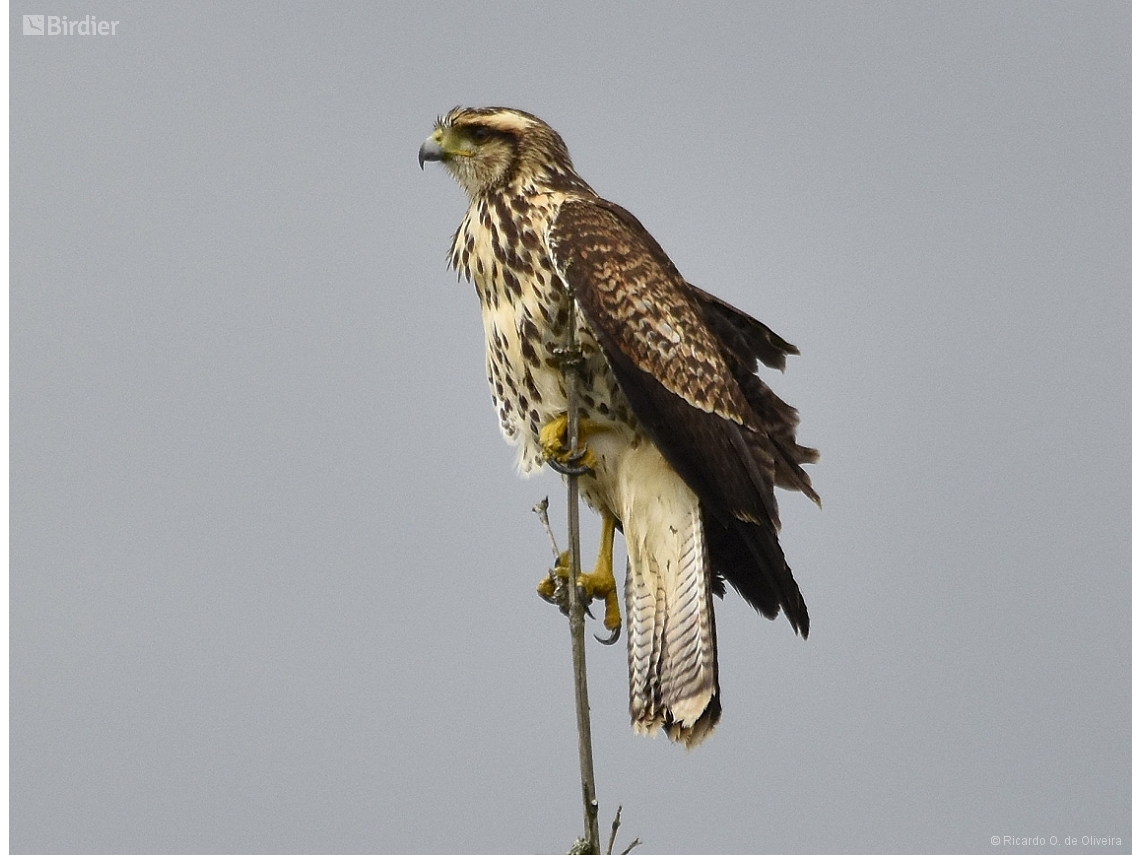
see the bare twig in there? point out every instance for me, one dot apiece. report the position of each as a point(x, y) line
point(613, 831)
point(541, 509)
point(570, 366)
point(613, 836)
point(557, 592)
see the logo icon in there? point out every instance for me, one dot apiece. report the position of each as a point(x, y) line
point(33, 25)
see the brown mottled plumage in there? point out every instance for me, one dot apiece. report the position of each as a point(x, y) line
point(688, 443)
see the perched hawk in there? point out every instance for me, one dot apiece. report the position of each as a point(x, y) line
point(685, 443)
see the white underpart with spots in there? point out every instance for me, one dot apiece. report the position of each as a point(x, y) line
point(669, 617)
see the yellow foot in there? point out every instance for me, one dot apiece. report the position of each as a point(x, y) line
point(598, 585)
point(555, 444)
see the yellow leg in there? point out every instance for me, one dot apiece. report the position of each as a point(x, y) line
point(601, 585)
point(598, 585)
point(554, 441)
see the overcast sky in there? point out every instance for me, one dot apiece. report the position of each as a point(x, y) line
point(272, 573)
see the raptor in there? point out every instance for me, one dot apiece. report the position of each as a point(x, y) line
point(684, 441)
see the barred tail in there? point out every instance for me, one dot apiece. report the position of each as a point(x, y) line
point(671, 633)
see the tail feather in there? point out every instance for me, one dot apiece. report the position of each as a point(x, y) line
point(689, 678)
point(645, 625)
point(671, 633)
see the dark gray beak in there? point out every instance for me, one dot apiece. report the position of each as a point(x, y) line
point(430, 150)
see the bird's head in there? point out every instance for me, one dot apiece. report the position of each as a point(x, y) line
point(491, 147)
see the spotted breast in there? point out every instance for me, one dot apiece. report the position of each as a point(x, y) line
point(501, 246)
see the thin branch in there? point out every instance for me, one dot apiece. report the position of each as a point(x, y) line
point(614, 831)
point(613, 836)
point(570, 366)
point(541, 509)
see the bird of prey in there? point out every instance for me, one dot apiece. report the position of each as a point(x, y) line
point(684, 442)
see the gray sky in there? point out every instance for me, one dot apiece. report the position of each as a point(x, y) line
point(272, 574)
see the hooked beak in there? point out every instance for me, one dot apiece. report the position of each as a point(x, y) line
point(431, 150)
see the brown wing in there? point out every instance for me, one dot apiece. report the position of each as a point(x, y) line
point(746, 342)
point(685, 361)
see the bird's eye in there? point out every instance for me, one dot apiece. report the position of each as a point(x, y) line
point(480, 134)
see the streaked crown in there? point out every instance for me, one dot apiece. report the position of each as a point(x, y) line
point(490, 148)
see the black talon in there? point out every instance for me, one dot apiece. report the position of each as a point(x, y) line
point(612, 639)
point(585, 600)
point(570, 468)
